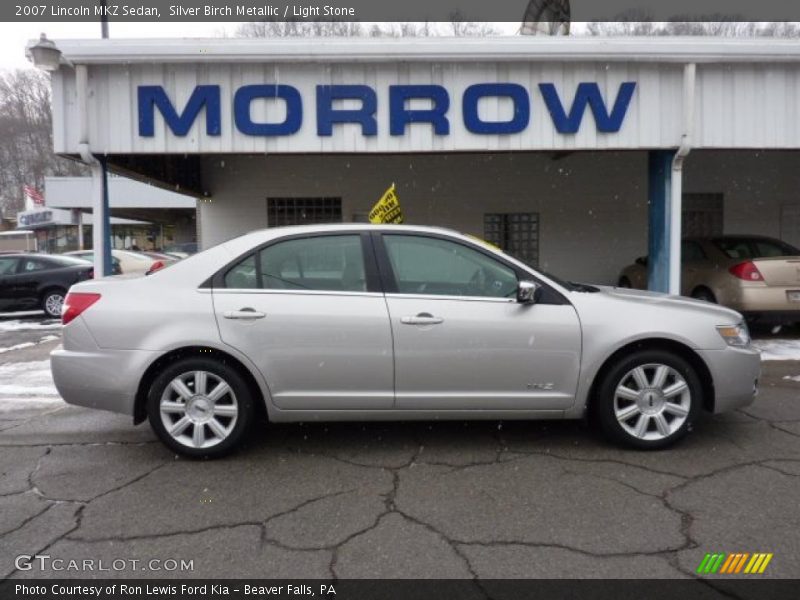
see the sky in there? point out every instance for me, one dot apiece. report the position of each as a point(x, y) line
point(14, 36)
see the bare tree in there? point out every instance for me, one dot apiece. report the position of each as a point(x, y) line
point(26, 143)
point(283, 29)
point(637, 23)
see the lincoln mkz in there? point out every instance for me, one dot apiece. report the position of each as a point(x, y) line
point(369, 322)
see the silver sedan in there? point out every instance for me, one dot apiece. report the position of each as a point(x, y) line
point(345, 322)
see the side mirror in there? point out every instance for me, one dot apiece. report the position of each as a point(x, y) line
point(526, 292)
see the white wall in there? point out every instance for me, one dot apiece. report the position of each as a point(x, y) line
point(585, 201)
point(592, 206)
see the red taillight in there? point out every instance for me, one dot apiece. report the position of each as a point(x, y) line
point(156, 266)
point(747, 271)
point(75, 303)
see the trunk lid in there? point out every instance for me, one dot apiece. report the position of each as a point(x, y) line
point(780, 270)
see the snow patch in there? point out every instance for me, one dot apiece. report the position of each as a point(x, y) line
point(792, 377)
point(17, 325)
point(17, 347)
point(27, 379)
point(778, 349)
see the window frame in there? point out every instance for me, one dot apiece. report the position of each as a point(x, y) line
point(217, 281)
point(547, 295)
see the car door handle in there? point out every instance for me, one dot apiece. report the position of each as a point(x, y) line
point(422, 319)
point(245, 313)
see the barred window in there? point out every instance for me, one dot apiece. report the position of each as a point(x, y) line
point(515, 233)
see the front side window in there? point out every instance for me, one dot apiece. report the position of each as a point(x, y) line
point(8, 265)
point(425, 265)
point(324, 263)
point(691, 251)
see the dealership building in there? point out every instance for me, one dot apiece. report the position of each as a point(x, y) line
point(577, 154)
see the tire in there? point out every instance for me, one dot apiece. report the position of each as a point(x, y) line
point(705, 294)
point(52, 301)
point(205, 431)
point(624, 282)
point(668, 418)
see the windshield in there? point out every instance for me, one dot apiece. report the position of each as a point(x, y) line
point(567, 285)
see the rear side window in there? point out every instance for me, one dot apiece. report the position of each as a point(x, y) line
point(30, 265)
point(323, 263)
point(243, 276)
point(754, 248)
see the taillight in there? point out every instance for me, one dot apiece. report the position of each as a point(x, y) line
point(75, 303)
point(155, 267)
point(747, 271)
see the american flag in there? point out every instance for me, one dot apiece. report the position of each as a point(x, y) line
point(34, 194)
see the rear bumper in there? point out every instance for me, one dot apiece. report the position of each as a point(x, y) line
point(760, 299)
point(735, 372)
point(106, 380)
point(773, 317)
point(86, 375)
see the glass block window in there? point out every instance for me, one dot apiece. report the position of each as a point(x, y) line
point(303, 211)
point(515, 233)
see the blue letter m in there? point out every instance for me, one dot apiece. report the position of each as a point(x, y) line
point(588, 93)
point(152, 96)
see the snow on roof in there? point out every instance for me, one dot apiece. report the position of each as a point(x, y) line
point(434, 49)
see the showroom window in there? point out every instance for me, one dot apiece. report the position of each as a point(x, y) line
point(438, 267)
point(515, 233)
point(303, 211)
point(324, 263)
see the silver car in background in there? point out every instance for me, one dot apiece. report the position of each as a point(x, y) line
point(348, 322)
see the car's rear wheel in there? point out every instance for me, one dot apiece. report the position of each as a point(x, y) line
point(705, 294)
point(200, 408)
point(52, 302)
point(648, 399)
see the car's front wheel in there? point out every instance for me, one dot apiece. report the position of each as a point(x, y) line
point(200, 407)
point(648, 399)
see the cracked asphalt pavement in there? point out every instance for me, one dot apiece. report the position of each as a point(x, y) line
point(407, 500)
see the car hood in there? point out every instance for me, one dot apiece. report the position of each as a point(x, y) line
point(659, 300)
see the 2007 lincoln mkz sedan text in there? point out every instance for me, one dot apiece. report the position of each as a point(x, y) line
point(347, 322)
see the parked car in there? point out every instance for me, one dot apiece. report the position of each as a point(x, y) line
point(128, 261)
point(343, 322)
point(755, 275)
point(182, 250)
point(39, 281)
point(160, 259)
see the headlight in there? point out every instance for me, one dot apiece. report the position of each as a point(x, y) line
point(735, 335)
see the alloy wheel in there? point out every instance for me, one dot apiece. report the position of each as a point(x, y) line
point(53, 304)
point(652, 401)
point(198, 409)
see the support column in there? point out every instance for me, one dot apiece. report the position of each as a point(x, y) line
point(659, 219)
point(78, 218)
point(108, 266)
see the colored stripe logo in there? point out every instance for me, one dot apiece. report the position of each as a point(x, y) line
point(734, 563)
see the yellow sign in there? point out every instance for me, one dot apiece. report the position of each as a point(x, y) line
point(387, 209)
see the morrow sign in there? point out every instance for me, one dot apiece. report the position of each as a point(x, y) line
point(567, 115)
